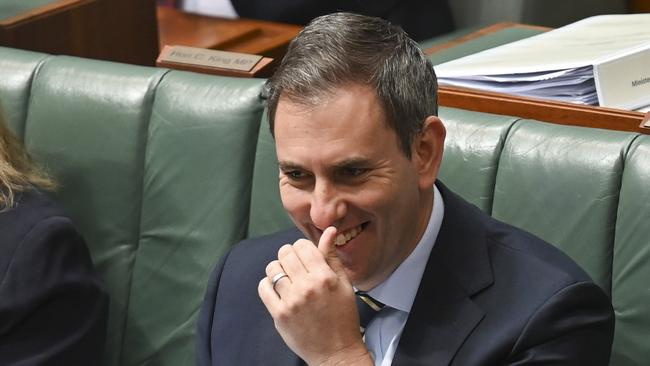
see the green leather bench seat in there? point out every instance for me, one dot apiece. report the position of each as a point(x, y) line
point(155, 168)
point(163, 171)
point(17, 69)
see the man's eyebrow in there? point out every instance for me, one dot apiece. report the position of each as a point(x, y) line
point(353, 162)
point(289, 166)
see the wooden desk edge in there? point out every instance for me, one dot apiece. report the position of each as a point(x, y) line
point(542, 109)
point(645, 124)
point(44, 10)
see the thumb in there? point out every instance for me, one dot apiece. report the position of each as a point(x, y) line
point(327, 248)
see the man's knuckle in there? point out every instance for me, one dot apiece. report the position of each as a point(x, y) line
point(284, 251)
point(283, 314)
point(299, 245)
point(294, 307)
point(330, 281)
point(303, 243)
point(270, 266)
point(310, 293)
point(325, 281)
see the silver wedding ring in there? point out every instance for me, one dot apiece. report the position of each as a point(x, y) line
point(277, 279)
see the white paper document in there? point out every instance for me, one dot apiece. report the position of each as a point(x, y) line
point(602, 60)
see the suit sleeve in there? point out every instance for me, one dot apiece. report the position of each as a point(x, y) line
point(53, 307)
point(574, 327)
point(206, 316)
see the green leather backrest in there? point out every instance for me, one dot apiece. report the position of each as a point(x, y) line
point(267, 214)
point(17, 68)
point(198, 167)
point(472, 150)
point(561, 183)
point(631, 269)
point(87, 123)
point(155, 169)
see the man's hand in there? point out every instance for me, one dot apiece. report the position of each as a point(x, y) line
point(314, 308)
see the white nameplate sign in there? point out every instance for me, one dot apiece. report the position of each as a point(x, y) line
point(210, 58)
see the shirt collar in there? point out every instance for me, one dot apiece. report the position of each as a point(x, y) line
point(399, 289)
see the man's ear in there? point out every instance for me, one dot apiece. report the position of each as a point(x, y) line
point(427, 151)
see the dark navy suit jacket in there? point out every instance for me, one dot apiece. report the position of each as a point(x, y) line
point(53, 308)
point(490, 295)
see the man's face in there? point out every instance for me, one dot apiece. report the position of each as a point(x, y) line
point(341, 165)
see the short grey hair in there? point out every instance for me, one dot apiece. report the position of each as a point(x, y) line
point(341, 49)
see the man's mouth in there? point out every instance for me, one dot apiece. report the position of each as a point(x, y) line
point(345, 237)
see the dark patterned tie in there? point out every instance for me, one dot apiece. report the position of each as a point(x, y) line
point(368, 308)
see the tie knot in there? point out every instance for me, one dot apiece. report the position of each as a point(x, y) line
point(368, 308)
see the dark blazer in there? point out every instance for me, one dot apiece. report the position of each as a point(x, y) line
point(420, 19)
point(53, 308)
point(490, 295)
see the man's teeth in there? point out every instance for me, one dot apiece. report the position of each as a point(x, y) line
point(343, 238)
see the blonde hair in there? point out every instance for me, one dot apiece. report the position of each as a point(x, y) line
point(17, 170)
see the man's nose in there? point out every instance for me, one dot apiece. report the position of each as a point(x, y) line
point(327, 206)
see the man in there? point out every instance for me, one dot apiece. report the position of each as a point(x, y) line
point(353, 111)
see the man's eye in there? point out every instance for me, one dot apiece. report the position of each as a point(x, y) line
point(294, 174)
point(354, 172)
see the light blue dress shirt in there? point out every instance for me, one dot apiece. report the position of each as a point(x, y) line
point(398, 292)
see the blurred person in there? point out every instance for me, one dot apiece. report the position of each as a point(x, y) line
point(53, 306)
point(420, 19)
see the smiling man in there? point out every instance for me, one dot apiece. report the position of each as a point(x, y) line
point(353, 111)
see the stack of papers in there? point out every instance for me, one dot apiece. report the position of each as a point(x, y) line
point(602, 60)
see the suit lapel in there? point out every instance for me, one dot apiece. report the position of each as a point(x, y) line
point(443, 314)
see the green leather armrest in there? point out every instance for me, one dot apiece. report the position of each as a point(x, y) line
point(472, 150)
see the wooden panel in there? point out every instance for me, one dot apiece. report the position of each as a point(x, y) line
point(533, 108)
point(49, 28)
point(116, 30)
point(127, 30)
point(237, 35)
point(639, 6)
point(42, 11)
